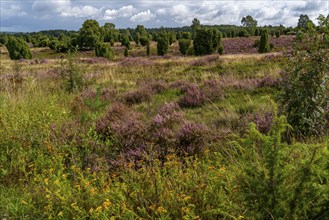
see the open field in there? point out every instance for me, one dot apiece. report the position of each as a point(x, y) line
point(152, 137)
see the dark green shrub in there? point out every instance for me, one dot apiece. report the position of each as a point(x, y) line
point(277, 34)
point(221, 49)
point(243, 33)
point(3, 39)
point(125, 39)
point(305, 91)
point(220, 44)
point(137, 38)
point(101, 50)
point(184, 45)
point(71, 74)
point(18, 49)
point(126, 52)
point(206, 41)
point(148, 49)
point(89, 34)
point(186, 35)
point(162, 43)
point(279, 181)
point(172, 38)
point(144, 40)
point(190, 51)
point(264, 46)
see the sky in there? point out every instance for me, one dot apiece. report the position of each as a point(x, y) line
point(31, 15)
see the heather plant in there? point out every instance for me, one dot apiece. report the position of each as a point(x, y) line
point(143, 94)
point(212, 90)
point(191, 139)
point(123, 124)
point(205, 60)
point(193, 97)
point(156, 86)
point(163, 128)
point(263, 121)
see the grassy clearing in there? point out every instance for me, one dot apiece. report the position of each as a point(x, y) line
point(59, 162)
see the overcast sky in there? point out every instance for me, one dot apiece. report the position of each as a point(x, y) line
point(29, 15)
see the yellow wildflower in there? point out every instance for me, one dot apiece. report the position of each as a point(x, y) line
point(46, 181)
point(60, 214)
point(186, 210)
point(106, 204)
point(98, 209)
point(186, 198)
point(57, 182)
point(161, 210)
point(92, 191)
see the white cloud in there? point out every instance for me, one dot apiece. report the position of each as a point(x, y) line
point(161, 11)
point(81, 12)
point(48, 6)
point(182, 14)
point(65, 8)
point(143, 16)
point(12, 11)
point(165, 12)
point(123, 12)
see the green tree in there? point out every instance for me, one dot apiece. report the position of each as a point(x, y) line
point(89, 34)
point(71, 73)
point(305, 89)
point(101, 50)
point(195, 26)
point(126, 52)
point(148, 49)
point(206, 41)
point(140, 32)
point(304, 22)
point(220, 44)
point(184, 45)
point(250, 23)
point(110, 33)
point(162, 43)
point(125, 39)
point(264, 46)
point(18, 48)
point(3, 38)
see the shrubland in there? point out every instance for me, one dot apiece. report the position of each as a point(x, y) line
point(164, 137)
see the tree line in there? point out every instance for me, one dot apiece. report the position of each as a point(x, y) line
point(196, 39)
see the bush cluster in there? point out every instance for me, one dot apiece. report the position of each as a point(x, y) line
point(101, 50)
point(18, 49)
point(162, 43)
point(207, 41)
